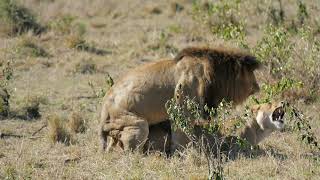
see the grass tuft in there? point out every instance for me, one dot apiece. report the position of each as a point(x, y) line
point(58, 131)
point(85, 67)
point(76, 123)
point(75, 41)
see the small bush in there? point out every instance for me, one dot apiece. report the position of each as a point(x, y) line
point(276, 14)
point(176, 7)
point(102, 91)
point(62, 24)
point(275, 91)
point(58, 131)
point(85, 67)
point(275, 50)
point(186, 114)
point(7, 74)
point(222, 18)
point(28, 47)
point(302, 12)
point(4, 103)
point(16, 19)
point(10, 172)
point(76, 123)
point(30, 108)
point(77, 42)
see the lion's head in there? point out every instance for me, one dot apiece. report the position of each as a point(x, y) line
point(231, 73)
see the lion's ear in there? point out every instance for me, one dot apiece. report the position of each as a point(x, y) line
point(251, 62)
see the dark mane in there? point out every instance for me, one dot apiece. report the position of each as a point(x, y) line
point(220, 54)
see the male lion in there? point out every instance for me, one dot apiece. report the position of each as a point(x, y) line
point(138, 99)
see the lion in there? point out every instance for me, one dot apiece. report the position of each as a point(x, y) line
point(137, 100)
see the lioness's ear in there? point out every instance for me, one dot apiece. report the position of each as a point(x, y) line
point(255, 108)
point(251, 62)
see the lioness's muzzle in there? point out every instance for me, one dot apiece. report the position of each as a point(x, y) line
point(278, 114)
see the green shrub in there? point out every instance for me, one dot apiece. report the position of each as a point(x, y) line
point(7, 72)
point(102, 91)
point(222, 18)
point(186, 114)
point(302, 12)
point(31, 108)
point(275, 50)
point(16, 19)
point(276, 14)
point(4, 103)
point(62, 24)
point(274, 91)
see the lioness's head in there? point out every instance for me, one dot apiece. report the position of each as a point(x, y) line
point(271, 115)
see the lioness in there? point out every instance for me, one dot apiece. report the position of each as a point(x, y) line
point(268, 117)
point(137, 100)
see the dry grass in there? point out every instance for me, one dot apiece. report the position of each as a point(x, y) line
point(27, 47)
point(57, 131)
point(76, 123)
point(133, 33)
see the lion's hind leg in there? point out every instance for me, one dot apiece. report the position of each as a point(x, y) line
point(134, 137)
point(108, 136)
point(129, 132)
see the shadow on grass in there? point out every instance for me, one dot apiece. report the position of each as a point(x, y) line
point(91, 49)
point(25, 114)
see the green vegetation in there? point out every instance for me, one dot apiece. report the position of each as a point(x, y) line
point(28, 47)
point(56, 58)
point(16, 19)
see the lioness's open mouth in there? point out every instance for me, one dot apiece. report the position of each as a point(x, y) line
point(278, 114)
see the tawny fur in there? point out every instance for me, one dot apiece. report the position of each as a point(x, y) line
point(262, 125)
point(138, 99)
point(254, 131)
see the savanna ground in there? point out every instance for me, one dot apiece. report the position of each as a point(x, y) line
point(60, 63)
